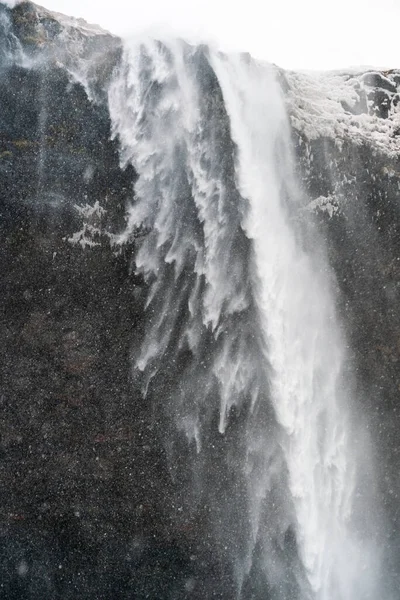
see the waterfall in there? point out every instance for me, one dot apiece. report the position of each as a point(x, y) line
point(242, 351)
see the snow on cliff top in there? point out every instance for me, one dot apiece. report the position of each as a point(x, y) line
point(85, 28)
point(343, 105)
point(363, 106)
point(42, 14)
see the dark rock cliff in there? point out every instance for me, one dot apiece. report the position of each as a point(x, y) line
point(84, 486)
point(82, 481)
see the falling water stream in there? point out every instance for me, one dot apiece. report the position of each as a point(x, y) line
point(242, 320)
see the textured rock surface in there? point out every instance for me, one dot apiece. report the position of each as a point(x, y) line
point(86, 496)
point(83, 484)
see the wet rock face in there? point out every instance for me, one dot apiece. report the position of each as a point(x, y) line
point(85, 493)
point(78, 459)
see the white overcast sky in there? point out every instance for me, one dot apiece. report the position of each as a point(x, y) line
point(305, 34)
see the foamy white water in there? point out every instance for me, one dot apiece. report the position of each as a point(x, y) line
point(304, 344)
point(231, 285)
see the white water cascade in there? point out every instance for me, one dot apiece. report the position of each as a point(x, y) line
point(241, 317)
point(305, 348)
